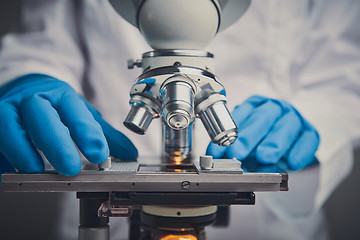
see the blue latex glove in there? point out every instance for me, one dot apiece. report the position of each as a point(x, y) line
point(38, 111)
point(270, 130)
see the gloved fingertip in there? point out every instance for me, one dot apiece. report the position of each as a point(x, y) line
point(98, 157)
point(296, 163)
point(66, 161)
point(131, 154)
point(71, 171)
point(123, 150)
point(237, 150)
point(266, 155)
point(97, 152)
point(215, 150)
point(303, 152)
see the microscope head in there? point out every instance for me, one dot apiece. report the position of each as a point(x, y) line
point(180, 24)
point(177, 83)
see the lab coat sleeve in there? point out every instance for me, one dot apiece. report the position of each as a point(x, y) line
point(328, 90)
point(46, 42)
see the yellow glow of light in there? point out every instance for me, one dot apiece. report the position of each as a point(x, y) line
point(177, 158)
point(179, 237)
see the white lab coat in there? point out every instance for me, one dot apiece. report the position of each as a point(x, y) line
point(306, 52)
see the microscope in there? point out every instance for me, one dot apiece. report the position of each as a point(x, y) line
point(177, 84)
point(179, 196)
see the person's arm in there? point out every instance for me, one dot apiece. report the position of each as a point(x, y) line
point(40, 67)
point(46, 42)
point(323, 77)
point(328, 78)
point(329, 83)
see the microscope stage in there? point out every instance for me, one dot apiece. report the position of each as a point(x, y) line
point(224, 176)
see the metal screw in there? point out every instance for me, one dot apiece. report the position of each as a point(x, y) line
point(132, 63)
point(177, 64)
point(185, 184)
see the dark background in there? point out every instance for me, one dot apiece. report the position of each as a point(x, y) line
point(342, 210)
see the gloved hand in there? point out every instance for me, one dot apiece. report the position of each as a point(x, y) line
point(40, 112)
point(270, 130)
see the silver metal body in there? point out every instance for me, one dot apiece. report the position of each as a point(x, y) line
point(177, 144)
point(225, 175)
point(185, 24)
point(178, 85)
point(217, 181)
